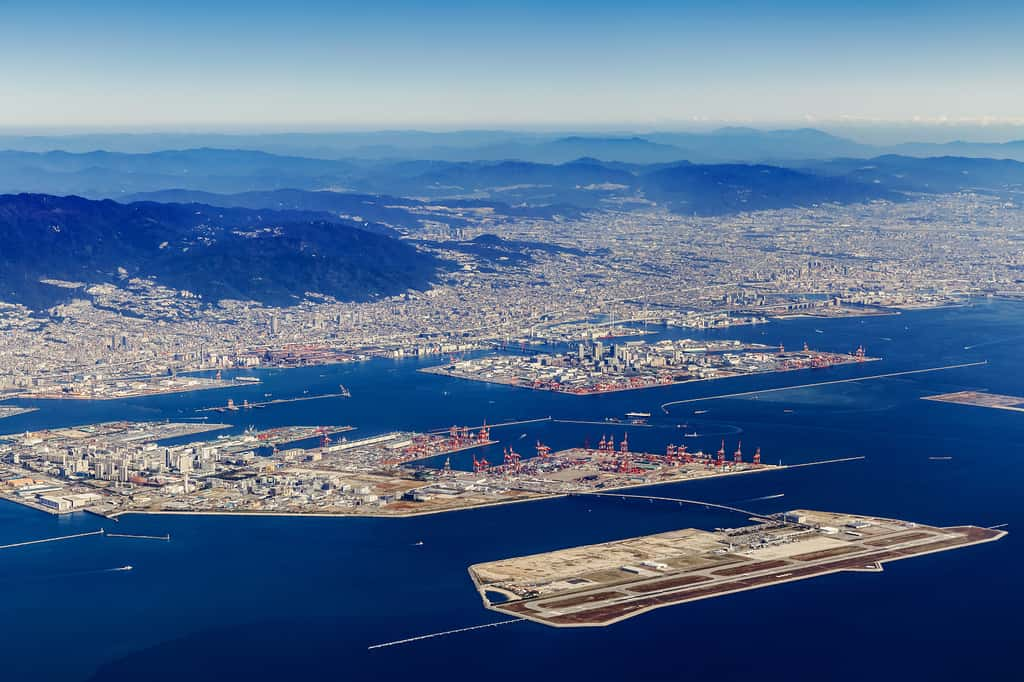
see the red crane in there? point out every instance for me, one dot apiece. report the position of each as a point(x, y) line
point(737, 457)
point(511, 460)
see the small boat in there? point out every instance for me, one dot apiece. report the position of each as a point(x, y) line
point(700, 411)
point(691, 435)
point(418, 543)
point(818, 331)
point(345, 393)
point(787, 411)
point(940, 459)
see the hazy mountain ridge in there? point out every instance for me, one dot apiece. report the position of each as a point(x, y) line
point(401, 193)
point(934, 174)
point(722, 145)
point(731, 188)
point(378, 212)
point(270, 256)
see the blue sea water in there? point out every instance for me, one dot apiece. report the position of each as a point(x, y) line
point(288, 598)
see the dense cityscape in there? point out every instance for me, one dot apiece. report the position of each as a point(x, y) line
point(482, 341)
point(642, 265)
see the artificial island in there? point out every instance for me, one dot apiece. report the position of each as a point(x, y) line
point(121, 467)
point(601, 584)
point(595, 367)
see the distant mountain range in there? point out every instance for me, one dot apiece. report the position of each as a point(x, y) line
point(934, 175)
point(723, 145)
point(731, 188)
point(404, 195)
point(374, 212)
point(274, 257)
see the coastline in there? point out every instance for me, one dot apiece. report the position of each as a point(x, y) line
point(526, 498)
point(440, 371)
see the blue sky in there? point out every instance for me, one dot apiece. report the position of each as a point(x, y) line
point(642, 64)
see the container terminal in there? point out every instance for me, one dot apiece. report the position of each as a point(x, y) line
point(597, 585)
point(121, 467)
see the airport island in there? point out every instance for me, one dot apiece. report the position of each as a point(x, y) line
point(594, 367)
point(601, 584)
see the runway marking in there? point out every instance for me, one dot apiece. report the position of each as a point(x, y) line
point(664, 406)
point(62, 537)
point(443, 634)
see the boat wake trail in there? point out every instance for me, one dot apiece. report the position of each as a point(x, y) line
point(443, 634)
point(62, 576)
point(992, 342)
point(763, 497)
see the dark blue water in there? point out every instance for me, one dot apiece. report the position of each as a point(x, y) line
point(262, 598)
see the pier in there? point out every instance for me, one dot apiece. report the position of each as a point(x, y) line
point(498, 426)
point(232, 407)
point(165, 538)
point(56, 539)
point(443, 634)
point(665, 406)
point(680, 500)
point(609, 424)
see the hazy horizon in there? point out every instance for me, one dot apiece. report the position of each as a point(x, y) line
point(659, 65)
point(865, 132)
